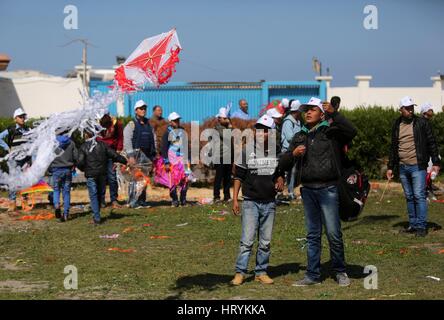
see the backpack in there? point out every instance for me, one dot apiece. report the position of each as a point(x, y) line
point(353, 188)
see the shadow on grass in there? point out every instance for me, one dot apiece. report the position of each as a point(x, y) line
point(430, 225)
point(369, 220)
point(211, 281)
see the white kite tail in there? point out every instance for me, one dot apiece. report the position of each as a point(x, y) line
point(41, 144)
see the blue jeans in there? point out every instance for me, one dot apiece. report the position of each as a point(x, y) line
point(321, 208)
point(256, 216)
point(112, 181)
point(413, 182)
point(61, 182)
point(95, 194)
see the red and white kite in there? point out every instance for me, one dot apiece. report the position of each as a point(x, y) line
point(153, 61)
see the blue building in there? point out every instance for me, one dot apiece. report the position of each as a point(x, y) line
point(196, 101)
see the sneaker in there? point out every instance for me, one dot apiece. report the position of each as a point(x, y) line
point(217, 200)
point(97, 222)
point(342, 279)
point(421, 232)
point(306, 281)
point(408, 230)
point(183, 203)
point(227, 200)
point(264, 279)
point(174, 204)
point(58, 213)
point(115, 205)
point(238, 279)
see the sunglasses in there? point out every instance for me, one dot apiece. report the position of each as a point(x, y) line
point(22, 117)
point(142, 108)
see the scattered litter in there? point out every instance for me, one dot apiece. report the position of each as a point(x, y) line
point(122, 250)
point(217, 218)
point(388, 201)
point(111, 236)
point(403, 251)
point(438, 201)
point(20, 261)
point(398, 294)
point(301, 239)
point(206, 201)
point(220, 212)
point(220, 243)
point(147, 225)
point(434, 278)
point(380, 252)
point(129, 229)
point(302, 242)
point(160, 237)
point(441, 251)
point(41, 216)
point(182, 224)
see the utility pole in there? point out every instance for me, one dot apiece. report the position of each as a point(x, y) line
point(84, 60)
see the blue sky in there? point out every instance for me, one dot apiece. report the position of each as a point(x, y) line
point(237, 40)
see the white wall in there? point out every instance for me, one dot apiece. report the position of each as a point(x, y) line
point(39, 96)
point(365, 95)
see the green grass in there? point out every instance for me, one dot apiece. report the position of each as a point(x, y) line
point(197, 262)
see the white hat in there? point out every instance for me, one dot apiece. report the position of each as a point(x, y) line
point(139, 104)
point(295, 104)
point(285, 102)
point(266, 120)
point(426, 107)
point(223, 113)
point(406, 102)
point(19, 112)
point(274, 113)
point(173, 116)
point(313, 102)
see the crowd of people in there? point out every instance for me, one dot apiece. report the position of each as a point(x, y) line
point(312, 141)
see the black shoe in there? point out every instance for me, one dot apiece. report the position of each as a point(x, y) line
point(97, 222)
point(58, 213)
point(421, 232)
point(408, 230)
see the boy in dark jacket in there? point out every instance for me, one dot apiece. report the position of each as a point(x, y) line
point(61, 170)
point(316, 149)
point(93, 159)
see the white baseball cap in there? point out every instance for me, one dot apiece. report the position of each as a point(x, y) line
point(173, 116)
point(294, 106)
point(139, 104)
point(406, 102)
point(19, 112)
point(285, 102)
point(223, 113)
point(426, 107)
point(274, 113)
point(266, 120)
point(313, 102)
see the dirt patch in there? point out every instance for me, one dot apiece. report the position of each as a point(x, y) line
point(17, 286)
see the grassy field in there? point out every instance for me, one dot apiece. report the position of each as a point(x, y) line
point(197, 260)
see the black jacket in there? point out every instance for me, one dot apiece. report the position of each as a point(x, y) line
point(94, 162)
point(425, 144)
point(322, 162)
